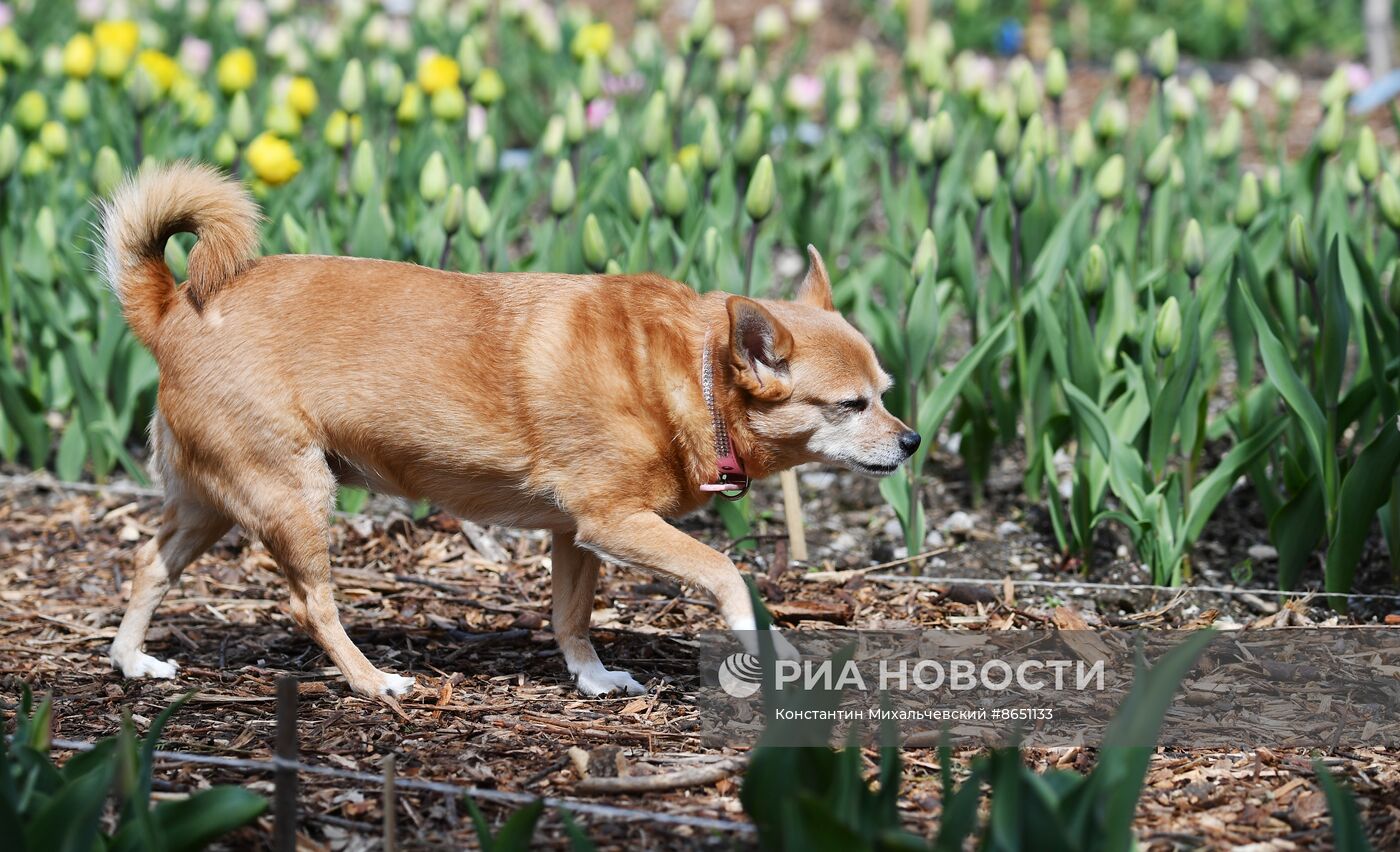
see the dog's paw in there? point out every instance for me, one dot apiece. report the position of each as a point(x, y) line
point(396, 685)
point(598, 682)
point(138, 665)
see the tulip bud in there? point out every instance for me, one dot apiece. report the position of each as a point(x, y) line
point(282, 120)
point(711, 148)
point(925, 257)
point(1227, 139)
point(295, 235)
point(363, 172)
point(468, 59)
point(1108, 182)
point(675, 194)
point(595, 248)
point(985, 178)
point(1095, 271)
point(432, 181)
point(1159, 165)
point(45, 229)
point(943, 135)
point(1193, 249)
point(487, 159)
point(54, 137)
point(448, 104)
point(761, 99)
point(1162, 54)
point(1299, 250)
point(74, 103)
point(1167, 336)
point(9, 150)
point(106, 171)
point(709, 247)
point(1336, 89)
point(410, 108)
point(1244, 93)
point(1023, 182)
point(1247, 201)
point(1351, 182)
point(655, 127)
point(1333, 128)
point(1034, 140)
point(1027, 96)
point(769, 25)
point(1388, 196)
point(31, 111)
point(848, 117)
point(921, 141)
point(1368, 156)
point(240, 119)
point(759, 199)
point(142, 89)
point(1273, 182)
point(639, 202)
point(478, 214)
point(749, 145)
point(35, 160)
point(1112, 120)
point(452, 208)
point(352, 87)
point(1007, 136)
point(1286, 89)
point(1056, 74)
point(897, 115)
point(1081, 146)
point(590, 77)
point(575, 124)
point(1125, 66)
point(746, 70)
point(562, 191)
point(225, 150)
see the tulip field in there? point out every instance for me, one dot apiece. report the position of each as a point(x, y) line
point(1145, 287)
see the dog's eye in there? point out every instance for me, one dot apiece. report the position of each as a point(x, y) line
point(853, 405)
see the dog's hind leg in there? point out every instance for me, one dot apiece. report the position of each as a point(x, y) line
point(187, 529)
point(292, 520)
point(575, 576)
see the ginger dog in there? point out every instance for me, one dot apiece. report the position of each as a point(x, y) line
point(574, 404)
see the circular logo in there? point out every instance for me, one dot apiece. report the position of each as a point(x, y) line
point(740, 675)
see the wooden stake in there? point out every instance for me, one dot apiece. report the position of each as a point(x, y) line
point(285, 777)
point(792, 511)
point(391, 816)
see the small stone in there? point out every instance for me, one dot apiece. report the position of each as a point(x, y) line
point(893, 529)
point(959, 523)
point(934, 540)
point(843, 543)
point(1263, 553)
point(1007, 529)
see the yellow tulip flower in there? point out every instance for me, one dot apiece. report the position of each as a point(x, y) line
point(272, 159)
point(162, 68)
point(301, 96)
point(593, 40)
point(122, 36)
point(79, 56)
point(439, 72)
point(237, 70)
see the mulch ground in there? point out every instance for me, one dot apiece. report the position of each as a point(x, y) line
point(495, 707)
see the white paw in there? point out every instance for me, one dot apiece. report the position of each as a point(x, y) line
point(598, 681)
point(393, 684)
point(136, 665)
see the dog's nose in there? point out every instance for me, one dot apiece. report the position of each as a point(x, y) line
point(909, 442)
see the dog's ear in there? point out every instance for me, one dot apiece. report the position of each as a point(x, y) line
point(759, 347)
point(816, 287)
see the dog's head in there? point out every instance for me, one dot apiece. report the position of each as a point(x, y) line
point(813, 383)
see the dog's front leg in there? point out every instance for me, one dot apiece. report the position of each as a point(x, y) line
point(574, 573)
point(645, 540)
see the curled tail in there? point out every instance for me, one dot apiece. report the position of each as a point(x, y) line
point(146, 210)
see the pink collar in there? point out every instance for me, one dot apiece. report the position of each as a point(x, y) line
point(731, 480)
